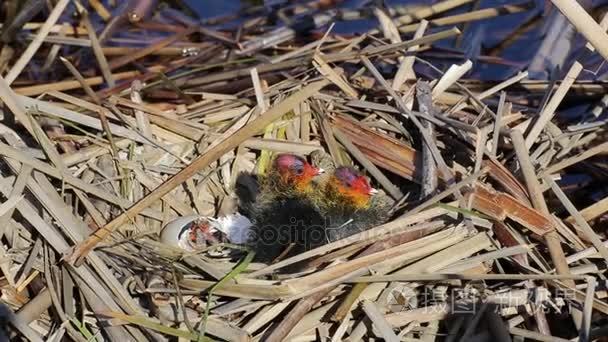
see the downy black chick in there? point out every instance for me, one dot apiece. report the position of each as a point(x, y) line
point(350, 205)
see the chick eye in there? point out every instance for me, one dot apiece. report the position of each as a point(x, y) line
point(298, 170)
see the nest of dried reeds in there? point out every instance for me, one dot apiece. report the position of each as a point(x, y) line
point(484, 240)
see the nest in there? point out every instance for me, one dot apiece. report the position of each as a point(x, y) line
point(498, 204)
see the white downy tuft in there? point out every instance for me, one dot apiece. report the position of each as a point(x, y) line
point(236, 227)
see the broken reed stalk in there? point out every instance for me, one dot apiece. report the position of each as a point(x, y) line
point(289, 321)
point(377, 318)
point(97, 50)
point(551, 238)
point(584, 333)
point(428, 166)
point(462, 276)
point(538, 202)
point(583, 225)
point(126, 59)
point(585, 24)
point(426, 12)
point(482, 14)
point(593, 211)
point(27, 55)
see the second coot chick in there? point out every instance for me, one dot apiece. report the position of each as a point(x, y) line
point(350, 205)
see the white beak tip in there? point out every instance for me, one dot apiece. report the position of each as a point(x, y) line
point(373, 191)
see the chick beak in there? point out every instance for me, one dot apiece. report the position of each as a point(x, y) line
point(373, 191)
point(319, 171)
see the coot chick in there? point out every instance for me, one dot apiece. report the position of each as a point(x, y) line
point(286, 220)
point(350, 205)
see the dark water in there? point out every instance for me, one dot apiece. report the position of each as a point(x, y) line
point(480, 41)
point(207, 9)
point(477, 42)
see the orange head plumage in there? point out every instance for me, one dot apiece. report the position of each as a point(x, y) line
point(294, 171)
point(349, 187)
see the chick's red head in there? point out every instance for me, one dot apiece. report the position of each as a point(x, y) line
point(352, 186)
point(295, 170)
